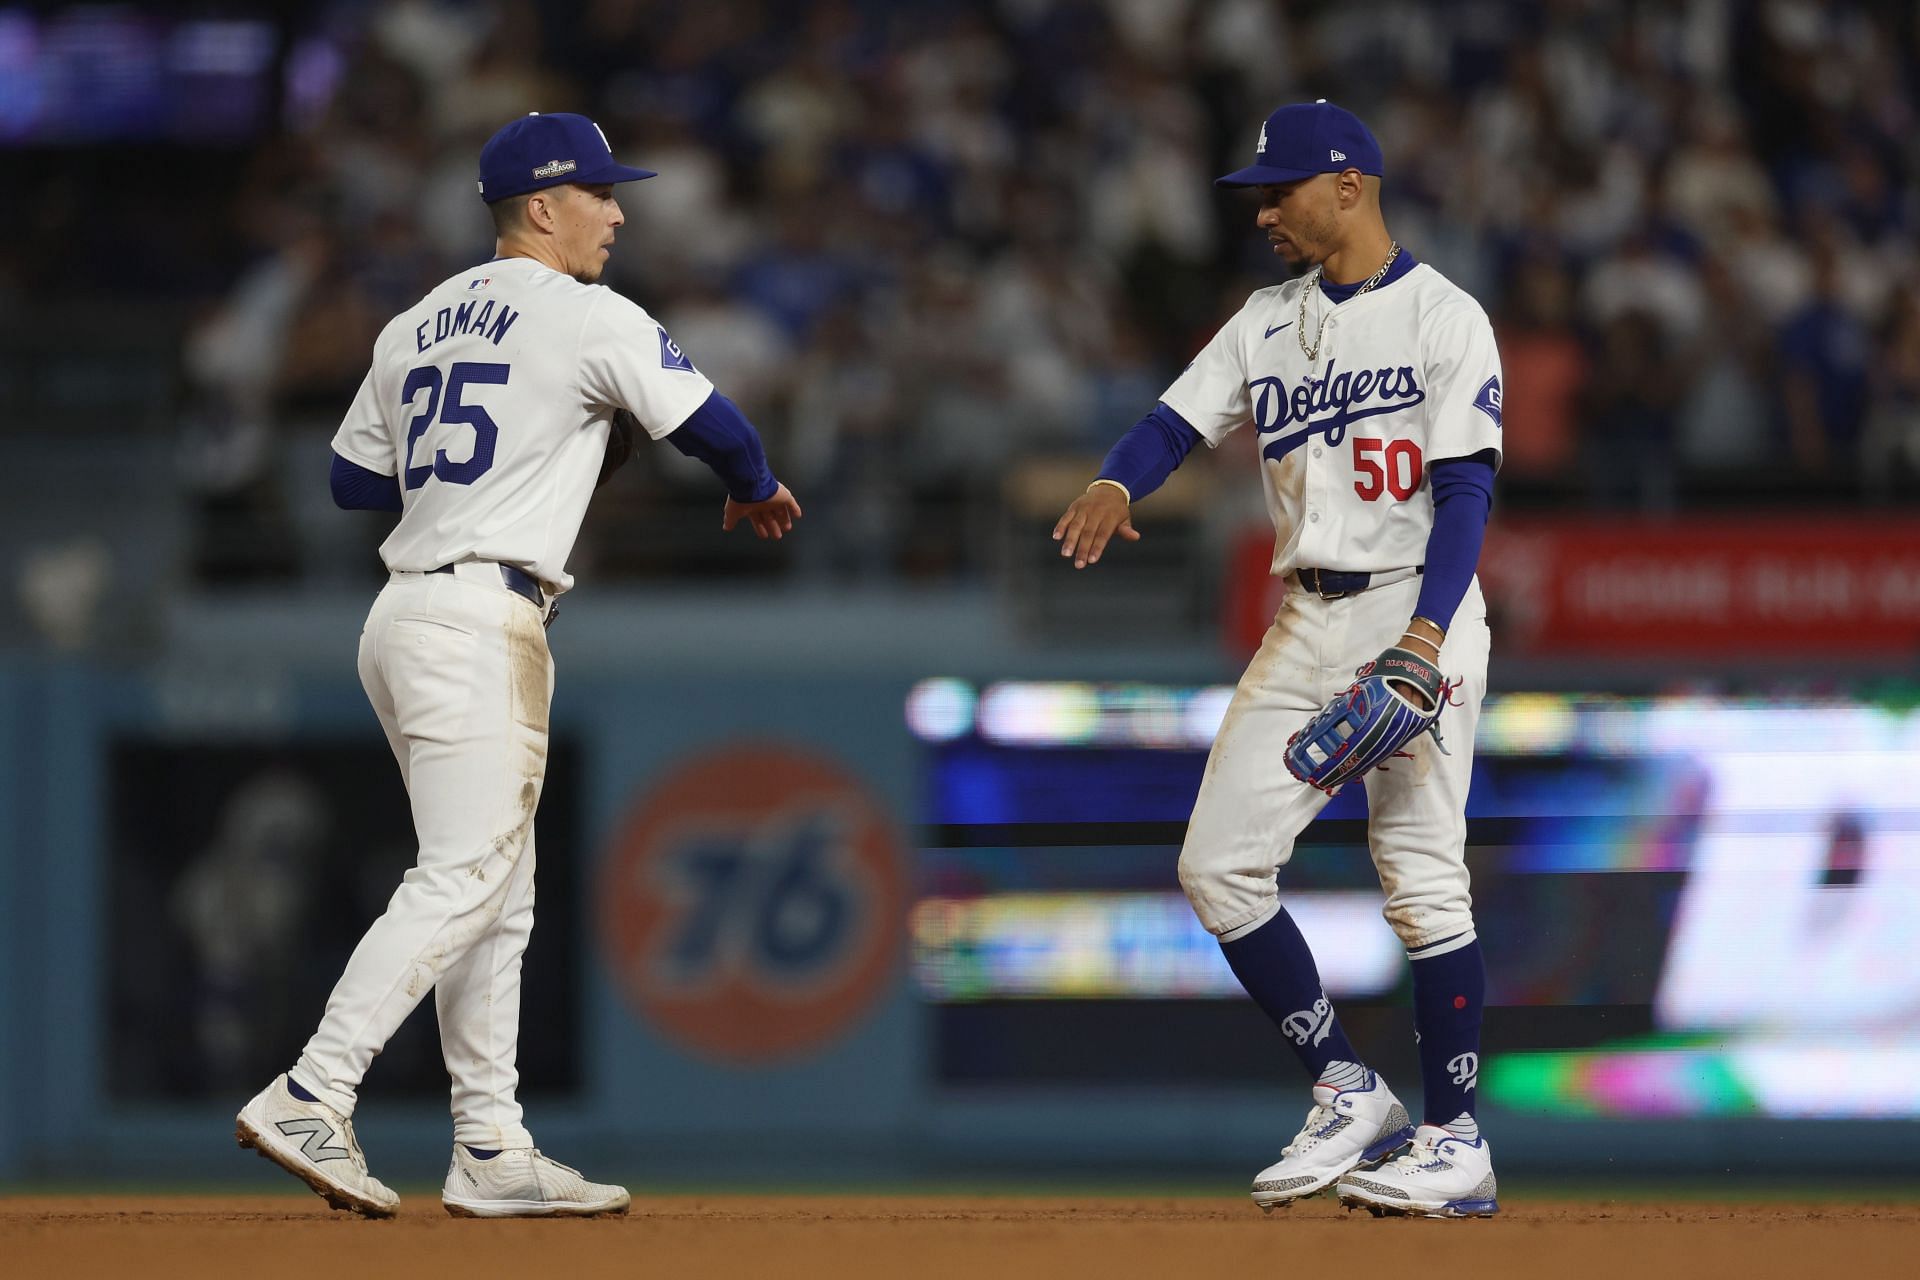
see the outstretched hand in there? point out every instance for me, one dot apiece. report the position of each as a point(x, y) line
point(772, 518)
point(1092, 521)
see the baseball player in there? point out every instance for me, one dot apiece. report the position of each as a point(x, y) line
point(492, 409)
point(1374, 386)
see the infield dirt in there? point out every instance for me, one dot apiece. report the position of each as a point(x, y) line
point(965, 1237)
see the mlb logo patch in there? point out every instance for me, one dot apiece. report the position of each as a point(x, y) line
point(480, 282)
point(671, 356)
point(1488, 401)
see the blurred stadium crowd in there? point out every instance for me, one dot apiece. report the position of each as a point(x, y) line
point(924, 241)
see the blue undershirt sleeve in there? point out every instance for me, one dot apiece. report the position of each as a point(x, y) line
point(1462, 497)
point(1143, 458)
point(357, 489)
point(718, 434)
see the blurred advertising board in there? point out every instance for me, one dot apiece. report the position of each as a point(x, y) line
point(93, 73)
point(1755, 585)
point(1680, 905)
point(241, 875)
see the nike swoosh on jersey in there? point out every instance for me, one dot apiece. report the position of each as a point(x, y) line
point(1277, 328)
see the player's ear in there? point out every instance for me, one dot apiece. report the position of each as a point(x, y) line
point(539, 212)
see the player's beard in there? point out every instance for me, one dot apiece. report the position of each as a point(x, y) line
point(1297, 260)
point(591, 265)
point(1311, 243)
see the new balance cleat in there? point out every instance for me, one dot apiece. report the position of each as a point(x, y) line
point(314, 1143)
point(1347, 1129)
point(1440, 1176)
point(522, 1183)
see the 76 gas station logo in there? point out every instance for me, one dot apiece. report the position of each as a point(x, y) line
point(754, 906)
point(783, 902)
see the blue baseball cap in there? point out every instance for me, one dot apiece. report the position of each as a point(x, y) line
point(538, 151)
point(1305, 138)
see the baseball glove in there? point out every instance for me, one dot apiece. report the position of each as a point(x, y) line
point(1369, 722)
point(619, 445)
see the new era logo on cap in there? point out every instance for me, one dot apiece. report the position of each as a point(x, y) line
point(1303, 139)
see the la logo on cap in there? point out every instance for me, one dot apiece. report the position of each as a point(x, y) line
point(1260, 147)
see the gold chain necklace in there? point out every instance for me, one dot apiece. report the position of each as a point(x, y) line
point(1300, 330)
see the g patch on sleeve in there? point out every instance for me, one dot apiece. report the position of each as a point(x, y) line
point(1487, 401)
point(672, 357)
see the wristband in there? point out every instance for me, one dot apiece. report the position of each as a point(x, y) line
point(1116, 484)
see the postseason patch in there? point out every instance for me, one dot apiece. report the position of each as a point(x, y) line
point(672, 357)
point(1488, 401)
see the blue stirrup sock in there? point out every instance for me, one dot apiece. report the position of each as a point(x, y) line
point(1449, 994)
point(1275, 966)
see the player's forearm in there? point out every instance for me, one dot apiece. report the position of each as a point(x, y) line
point(1141, 460)
point(357, 489)
point(718, 434)
point(1462, 497)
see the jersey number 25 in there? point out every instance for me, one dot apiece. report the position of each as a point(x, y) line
point(485, 432)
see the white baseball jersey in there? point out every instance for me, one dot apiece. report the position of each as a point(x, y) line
point(491, 399)
point(1406, 375)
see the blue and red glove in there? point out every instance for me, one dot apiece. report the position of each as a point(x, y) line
point(1369, 722)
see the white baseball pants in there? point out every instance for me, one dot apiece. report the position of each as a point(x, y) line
point(458, 672)
point(1250, 809)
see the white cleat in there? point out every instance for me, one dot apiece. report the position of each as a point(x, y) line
point(314, 1143)
point(1347, 1129)
point(1440, 1176)
point(522, 1183)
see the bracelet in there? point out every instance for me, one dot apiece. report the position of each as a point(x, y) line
point(1116, 484)
point(1430, 622)
point(1414, 637)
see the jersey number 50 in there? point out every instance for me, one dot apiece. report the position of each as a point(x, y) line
point(1386, 466)
point(485, 432)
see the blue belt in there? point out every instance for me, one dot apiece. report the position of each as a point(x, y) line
point(1332, 584)
point(518, 581)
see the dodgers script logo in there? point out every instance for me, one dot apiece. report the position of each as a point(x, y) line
point(1310, 1025)
point(1328, 404)
point(1465, 1068)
